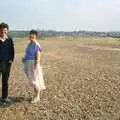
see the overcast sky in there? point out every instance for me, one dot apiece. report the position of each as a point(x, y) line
point(65, 15)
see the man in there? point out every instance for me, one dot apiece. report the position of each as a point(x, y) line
point(6, 59)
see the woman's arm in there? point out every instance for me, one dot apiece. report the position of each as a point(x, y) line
point(38, 56)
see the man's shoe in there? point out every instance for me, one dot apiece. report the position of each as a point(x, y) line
point(6, 100)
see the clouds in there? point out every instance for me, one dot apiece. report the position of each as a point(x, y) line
point(99, 15)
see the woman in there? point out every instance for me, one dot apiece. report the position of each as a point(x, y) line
point(32, 66)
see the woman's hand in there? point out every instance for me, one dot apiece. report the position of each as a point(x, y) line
point(23, 60)
point(36, 65)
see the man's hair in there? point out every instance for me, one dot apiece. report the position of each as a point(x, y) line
point(4, 25)
point(34, 32)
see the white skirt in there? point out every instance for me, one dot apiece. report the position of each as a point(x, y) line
point(35, 76)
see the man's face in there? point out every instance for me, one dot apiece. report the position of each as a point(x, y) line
point(3, 32)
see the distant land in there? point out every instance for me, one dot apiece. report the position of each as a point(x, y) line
point(50, 33)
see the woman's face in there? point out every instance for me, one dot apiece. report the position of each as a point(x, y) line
point(32, 37)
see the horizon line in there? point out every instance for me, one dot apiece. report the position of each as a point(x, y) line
point(65, 30)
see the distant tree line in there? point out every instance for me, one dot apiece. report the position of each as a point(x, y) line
point(50, 33)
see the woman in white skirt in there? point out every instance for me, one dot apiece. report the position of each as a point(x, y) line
point(32, 67)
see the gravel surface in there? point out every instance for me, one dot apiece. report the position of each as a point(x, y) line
point(81, 84)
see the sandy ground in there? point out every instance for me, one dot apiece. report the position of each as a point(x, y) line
point(82, 83)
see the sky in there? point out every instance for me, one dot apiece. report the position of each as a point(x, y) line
point(61, 15)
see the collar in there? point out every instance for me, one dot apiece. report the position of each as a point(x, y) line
point(3, 39)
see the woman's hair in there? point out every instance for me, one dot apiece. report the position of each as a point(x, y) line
point(4, 25)
point(34, 32)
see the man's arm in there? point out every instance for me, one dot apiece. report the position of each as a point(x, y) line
point(12, 54)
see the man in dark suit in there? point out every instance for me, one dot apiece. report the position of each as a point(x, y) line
point(6, 59)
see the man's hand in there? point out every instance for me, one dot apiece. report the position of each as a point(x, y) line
point(10, 61)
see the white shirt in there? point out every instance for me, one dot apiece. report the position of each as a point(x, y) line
point(3, 38)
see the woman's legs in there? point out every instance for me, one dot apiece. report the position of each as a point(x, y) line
point(37, 94)
point(38, 84)
point(35, 77)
